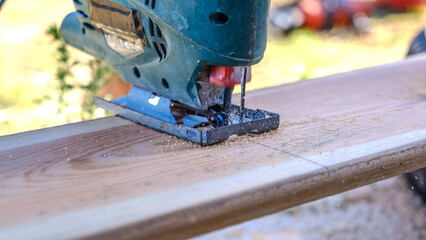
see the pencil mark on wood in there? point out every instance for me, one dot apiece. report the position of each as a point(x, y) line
point(291, 154)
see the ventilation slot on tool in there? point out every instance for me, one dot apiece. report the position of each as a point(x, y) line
point(77, 2)
point(152, 3)
point(82, 14)
point(157, 39)
point(89, 26)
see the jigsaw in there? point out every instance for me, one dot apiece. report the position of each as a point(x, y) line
point(183, 57)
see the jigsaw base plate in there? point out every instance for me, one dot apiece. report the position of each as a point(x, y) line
point(254, 121)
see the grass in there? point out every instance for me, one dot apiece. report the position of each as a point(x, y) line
point(28, 61)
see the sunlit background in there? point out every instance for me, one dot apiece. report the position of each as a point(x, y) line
point(28, 57)
point(30, 99)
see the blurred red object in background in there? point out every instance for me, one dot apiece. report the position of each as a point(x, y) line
point(326, 14)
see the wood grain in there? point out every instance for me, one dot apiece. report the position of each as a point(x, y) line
point(110, 178)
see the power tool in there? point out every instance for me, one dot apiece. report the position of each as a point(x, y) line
point(183, 57)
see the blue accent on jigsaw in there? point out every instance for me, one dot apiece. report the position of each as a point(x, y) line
point(145, 102)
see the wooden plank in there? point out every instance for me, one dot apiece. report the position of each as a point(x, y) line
point(110, 178)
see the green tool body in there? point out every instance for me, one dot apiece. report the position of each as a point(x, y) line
point(168, 50)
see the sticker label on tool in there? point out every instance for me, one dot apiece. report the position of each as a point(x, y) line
point(121, 26)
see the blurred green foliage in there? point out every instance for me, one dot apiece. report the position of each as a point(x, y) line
point(63, 69)
point(100, 74)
